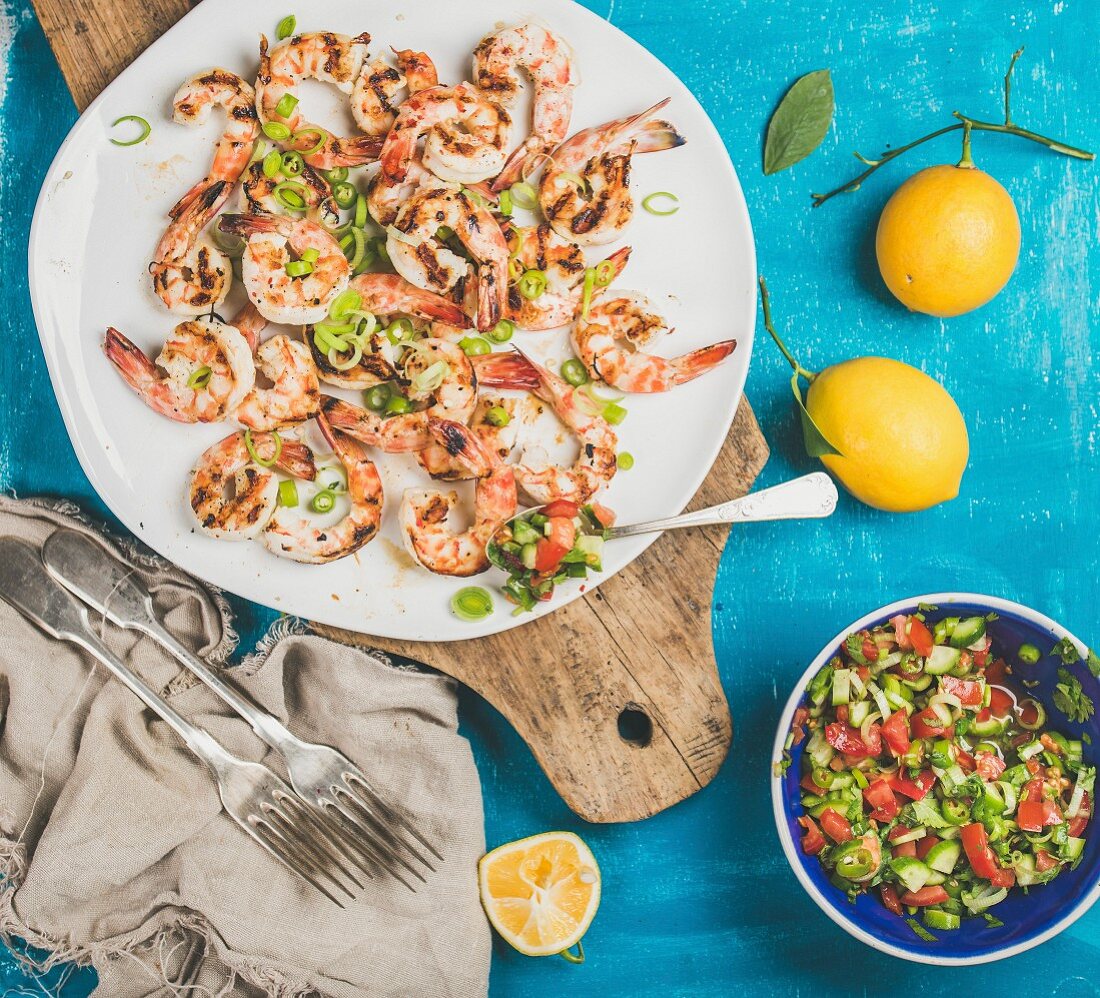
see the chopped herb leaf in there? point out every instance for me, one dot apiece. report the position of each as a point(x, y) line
point(1070, 698)
point(1067, 651)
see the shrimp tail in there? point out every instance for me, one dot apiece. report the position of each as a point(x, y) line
point(247, 225)
point(462, 443)
point(336, 414)
point(506, 370)
point(658, 135)
point(619, 259)
point(492, 294)
point(517, 160)
point(249, 323)
point(136, 369)
point(396, 154)
point(440, 309)
point(356, 151)
point(345, 445)
point(692, 365)
point(296, 459)
point(191, 214)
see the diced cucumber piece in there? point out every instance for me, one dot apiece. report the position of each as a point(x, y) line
point(935, 878)
point(949, 833)
point(842, 686)
point(942, 660)
point(967, 631)
point(911, 872)
point(819, 749)
point(1074, 847)
point(922, 682)
point(1030, 750)
point(936, 919)
point(524, 533)
point(911, 836)
point(858, 711)
point(592, 547)
point(943, 856)
point(527, 556)
point(952, 779)
point(991, 727)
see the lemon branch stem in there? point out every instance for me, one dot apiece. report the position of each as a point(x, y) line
point(969, 125)
point(765, 303)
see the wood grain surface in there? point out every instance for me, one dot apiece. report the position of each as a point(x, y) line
point(617, 694)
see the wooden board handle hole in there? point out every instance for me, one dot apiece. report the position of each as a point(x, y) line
point(635, 725)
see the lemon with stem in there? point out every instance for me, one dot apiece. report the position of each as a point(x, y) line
point(888, 432)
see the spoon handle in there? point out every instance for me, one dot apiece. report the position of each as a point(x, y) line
point(811, 496)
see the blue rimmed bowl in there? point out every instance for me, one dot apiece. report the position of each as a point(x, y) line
point(1028, 919)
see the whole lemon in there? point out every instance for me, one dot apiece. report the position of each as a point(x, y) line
point(902, 440)
point(948, 240)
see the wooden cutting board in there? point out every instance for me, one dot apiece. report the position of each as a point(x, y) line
point(618, 693)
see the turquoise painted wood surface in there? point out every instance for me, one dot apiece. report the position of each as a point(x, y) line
point(699, 900)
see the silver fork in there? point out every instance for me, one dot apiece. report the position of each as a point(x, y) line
point(261, 803)
point(322, 776)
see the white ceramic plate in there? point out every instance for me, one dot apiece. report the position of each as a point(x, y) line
point(102, 209)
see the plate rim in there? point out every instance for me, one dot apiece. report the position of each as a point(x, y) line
point(744, 323)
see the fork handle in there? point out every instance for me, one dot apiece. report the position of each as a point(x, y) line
point(200, 742)
point(268, 729)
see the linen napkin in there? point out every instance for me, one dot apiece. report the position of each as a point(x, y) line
point(114, 850)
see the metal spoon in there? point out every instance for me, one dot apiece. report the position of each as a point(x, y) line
point(811, 496)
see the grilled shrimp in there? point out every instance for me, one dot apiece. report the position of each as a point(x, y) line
point(562, 262)
point(419, 256)
point(249, 323)
point(386, 295)
point(440, 463)
point(278, 296)
point(192, 105)
point(204, 370)
point(385, 198)
point(318, 55)
point(232, 496)
point(189, 275)
point(424, 512)
point(609, 342)
point(548, 60)
point(294, 395)
point(290, 535)
point(601, 209)
point(372, 98)
point(454, 399)
point(259, 194)
point(595, 466)
point(465, 131)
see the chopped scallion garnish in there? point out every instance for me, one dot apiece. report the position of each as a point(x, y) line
point(145, 127)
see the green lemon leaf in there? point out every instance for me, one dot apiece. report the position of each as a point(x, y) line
point(800, 122)
point(815, 441)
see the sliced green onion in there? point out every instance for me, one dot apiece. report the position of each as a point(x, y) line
point(251, 448)
point(515, 269)
point(605, 273)
point(287, 104)
point(497, 416)
point(337, 175)
point(298, 268)
point(574, 372)
point(145, 127)
point(379, 247)
point(647, 203)
point(200, 378)
point(399, 331)
point(473, 196)
point(324, 340)
point(285, 27)
point(334, 357)
point(474, 346)
point(625, 461)
point(431, 377)
point(276, 130)
point(614, 413)
point(323, 501)
point(344, 194)
point(310, 254)
point(360, 218)
point(573, 178)
point(506, 202)
point(472, 603)
point(320, 133)
point(377, 397)
point(292, 164)
point(356, 241)
point(502, 331)
point(443, 233)
point(524, 195)
point(532, 284)
point(273, 164)
point(345, 303)
point(288, 493)
point(586, 294)
point(291, 195)
point(396, 405)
